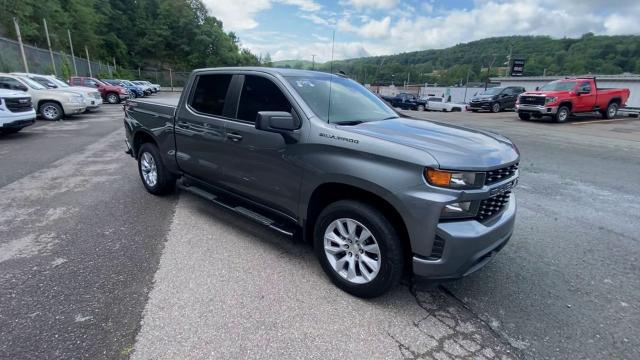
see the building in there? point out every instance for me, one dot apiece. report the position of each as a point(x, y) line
point(630, 81)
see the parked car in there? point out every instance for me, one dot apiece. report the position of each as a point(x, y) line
point(112, 94)
point(92, 97)
point(436, 103)
point(156, 87)
point(148, 89)
point(49, 104)
point(135, 91)
point(496, 99)
point(561, 98)
point(406, 101)
point(16, 111)
point(373, 190)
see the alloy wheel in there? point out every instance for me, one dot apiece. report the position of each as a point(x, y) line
point(50, 112)
point(149, 169)
point(352, 250)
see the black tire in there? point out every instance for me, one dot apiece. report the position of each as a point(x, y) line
point(112, 98)
point(133, 95)
point(611, 111)
point(391, 252)
point(420, 108)
point(524, 116)
point(50, 111)
point(496, 108)
point(562, 114)
point(10, 131)
point(474, 110)
point(165, 181)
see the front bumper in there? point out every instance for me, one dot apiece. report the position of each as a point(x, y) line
point(468, 245)
point(482, 105)
point(9, 120)
point(536, 109)
point(123, 96)
point(71, 108)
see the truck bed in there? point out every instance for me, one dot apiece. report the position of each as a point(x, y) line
point(164, 107)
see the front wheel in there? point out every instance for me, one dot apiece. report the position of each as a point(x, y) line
point(51, 111)
point(524, 116)
point(155, 176)
point(358, 248)
point(562, 115)
point(495, 108)
point(420, 107)
point(113, 98)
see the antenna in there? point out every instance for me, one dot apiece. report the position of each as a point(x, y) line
point(333, 42)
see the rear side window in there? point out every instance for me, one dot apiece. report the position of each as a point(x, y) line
point(260, 94)
point(210, 93)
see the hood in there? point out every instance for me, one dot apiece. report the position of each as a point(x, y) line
point(545, 93)
point(13, 93)
point(483, 97)
point(454, 147)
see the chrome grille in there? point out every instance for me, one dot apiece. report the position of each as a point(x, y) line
point(18, 104)
point(497, 175)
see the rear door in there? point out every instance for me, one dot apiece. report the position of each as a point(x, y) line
point(200, 127)
point(261, 166)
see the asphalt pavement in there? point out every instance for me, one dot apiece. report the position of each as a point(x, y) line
point(92, 266)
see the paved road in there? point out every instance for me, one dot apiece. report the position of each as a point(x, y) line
point(91, 266)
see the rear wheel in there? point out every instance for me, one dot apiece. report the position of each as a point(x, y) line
point(563, 114)
point(420, 107)
point(495, 108)
point(524, 116)
point(611, 111)
point(358, 248)
point(51, 111)
point(155, 176)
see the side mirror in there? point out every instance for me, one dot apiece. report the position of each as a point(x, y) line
point(276, 121)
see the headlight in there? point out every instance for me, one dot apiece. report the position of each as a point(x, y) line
point(550, 100)
point(463, 209)
point(76, 99)
point(454, 179)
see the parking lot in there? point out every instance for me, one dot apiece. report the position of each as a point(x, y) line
point(91, 266)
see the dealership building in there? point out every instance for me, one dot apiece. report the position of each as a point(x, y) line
point(630, 81)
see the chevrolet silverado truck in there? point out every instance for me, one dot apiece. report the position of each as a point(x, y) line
point(561, 98)
point(320, 157)
point(406, 101)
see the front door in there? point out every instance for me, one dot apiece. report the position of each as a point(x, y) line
point(587, 98)
point(261, 165)
point(200, 127)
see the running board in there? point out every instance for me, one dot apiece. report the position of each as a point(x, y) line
point(250, 214)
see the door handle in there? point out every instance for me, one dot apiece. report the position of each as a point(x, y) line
point(184, 125)
point(234, 137)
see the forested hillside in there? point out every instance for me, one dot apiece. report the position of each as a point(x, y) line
point(588, 54)
point(141, 33)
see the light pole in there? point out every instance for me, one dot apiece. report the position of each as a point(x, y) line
point(313, 62)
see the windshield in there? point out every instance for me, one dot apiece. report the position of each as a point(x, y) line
point(350, 101)
point(492, 91)
point(559, 86)
point(127, 82)
point(33, 84)
point(58, 82)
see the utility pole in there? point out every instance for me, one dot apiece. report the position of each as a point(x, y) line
point(171, 79)
point(88, 61)
point(46, 31)
point(466, 85)
point(73, 57)
point(24, 57)
point(486, 82)
point(115, 69)
point(313, 62)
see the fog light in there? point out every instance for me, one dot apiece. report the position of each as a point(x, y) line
point(463, 209)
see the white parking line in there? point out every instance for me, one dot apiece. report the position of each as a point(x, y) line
point(600, 121)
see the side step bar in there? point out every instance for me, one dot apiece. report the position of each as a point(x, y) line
point(250, 214)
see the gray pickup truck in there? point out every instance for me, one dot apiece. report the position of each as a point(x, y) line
point(318, 156)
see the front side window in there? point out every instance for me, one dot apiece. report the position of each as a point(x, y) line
point(350, 101)
point(585, 87)
point(260, 94)
point(11, 84)
point(210, 93)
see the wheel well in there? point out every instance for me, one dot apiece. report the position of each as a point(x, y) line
point(50, 101)
point(140, 138)
point(328, 193)
point(568, 104)
point(615, 100)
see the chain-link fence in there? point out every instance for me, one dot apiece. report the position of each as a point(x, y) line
point(39, 62)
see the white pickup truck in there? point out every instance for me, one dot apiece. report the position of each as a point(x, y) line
point(16, 111)
point(435, 103)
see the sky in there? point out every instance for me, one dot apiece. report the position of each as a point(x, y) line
point(299, 29)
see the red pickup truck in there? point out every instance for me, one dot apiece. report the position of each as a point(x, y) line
point(110, 93)
point(561, 98)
